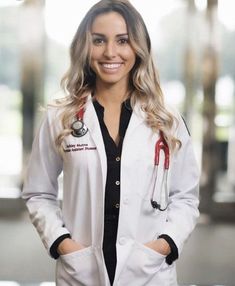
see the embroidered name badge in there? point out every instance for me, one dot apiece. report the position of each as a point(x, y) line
point(78, 147)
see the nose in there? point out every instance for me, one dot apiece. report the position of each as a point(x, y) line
point(110, 50)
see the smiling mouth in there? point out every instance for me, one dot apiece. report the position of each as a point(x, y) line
point(111, 66)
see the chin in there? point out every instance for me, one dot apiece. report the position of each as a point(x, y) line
point(110, 79)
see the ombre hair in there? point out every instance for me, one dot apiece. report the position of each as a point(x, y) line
point(80, 80)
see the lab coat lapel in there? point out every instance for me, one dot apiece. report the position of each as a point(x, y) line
point(91, 121)
point(137, 117)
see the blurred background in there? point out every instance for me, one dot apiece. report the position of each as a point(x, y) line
point(194, 48)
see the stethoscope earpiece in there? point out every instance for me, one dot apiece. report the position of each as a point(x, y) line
point(155, 205)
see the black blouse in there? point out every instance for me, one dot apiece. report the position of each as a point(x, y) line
point(112, 188)
point(113, 153)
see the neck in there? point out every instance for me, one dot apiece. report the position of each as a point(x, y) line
point(111, 95)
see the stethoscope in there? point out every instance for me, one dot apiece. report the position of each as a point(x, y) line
point(161, 145)
point(79, 129)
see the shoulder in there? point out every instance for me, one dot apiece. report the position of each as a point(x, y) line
point(51, 118)
point(173, 110)
point(180, 125)
point(58, 106)
point(53, 111)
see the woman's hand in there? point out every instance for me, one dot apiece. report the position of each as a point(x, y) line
point(68, 246)
point(160, 245)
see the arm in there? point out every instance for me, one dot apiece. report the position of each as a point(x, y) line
point(183, 200)
point(183, 211)
point(41, 186)
point(68, 246)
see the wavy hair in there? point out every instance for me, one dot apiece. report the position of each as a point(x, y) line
point(79, 81)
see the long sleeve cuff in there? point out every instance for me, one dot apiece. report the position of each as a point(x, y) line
point(174, 250)
point(53, 248)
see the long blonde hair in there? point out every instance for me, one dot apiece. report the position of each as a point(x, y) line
point(79, 81)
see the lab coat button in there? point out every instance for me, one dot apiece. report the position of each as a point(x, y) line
point(122, 240)
point(117, 206)
point(117, 183)
point(118, 159)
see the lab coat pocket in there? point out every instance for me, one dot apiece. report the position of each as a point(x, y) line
point(142, 265)
point(78, 268)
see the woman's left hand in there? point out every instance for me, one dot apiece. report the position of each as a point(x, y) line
point(160, 245)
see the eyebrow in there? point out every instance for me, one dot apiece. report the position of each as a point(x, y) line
point(102, 35)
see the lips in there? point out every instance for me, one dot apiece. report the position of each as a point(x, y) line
point(111, 66)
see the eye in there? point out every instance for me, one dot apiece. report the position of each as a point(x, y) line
point(98, 41)
point(123, 41)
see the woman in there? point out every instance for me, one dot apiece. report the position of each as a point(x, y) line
point(124, 220)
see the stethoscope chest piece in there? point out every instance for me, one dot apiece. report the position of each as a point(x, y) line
point(79, 129)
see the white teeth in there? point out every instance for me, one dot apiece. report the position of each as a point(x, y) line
point(111, 66)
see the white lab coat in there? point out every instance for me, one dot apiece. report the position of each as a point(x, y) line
point(82, 214)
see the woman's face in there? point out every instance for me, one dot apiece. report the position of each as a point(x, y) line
point(112, 56)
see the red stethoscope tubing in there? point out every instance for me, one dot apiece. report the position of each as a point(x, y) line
point(161, 145)
point(80, 114)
